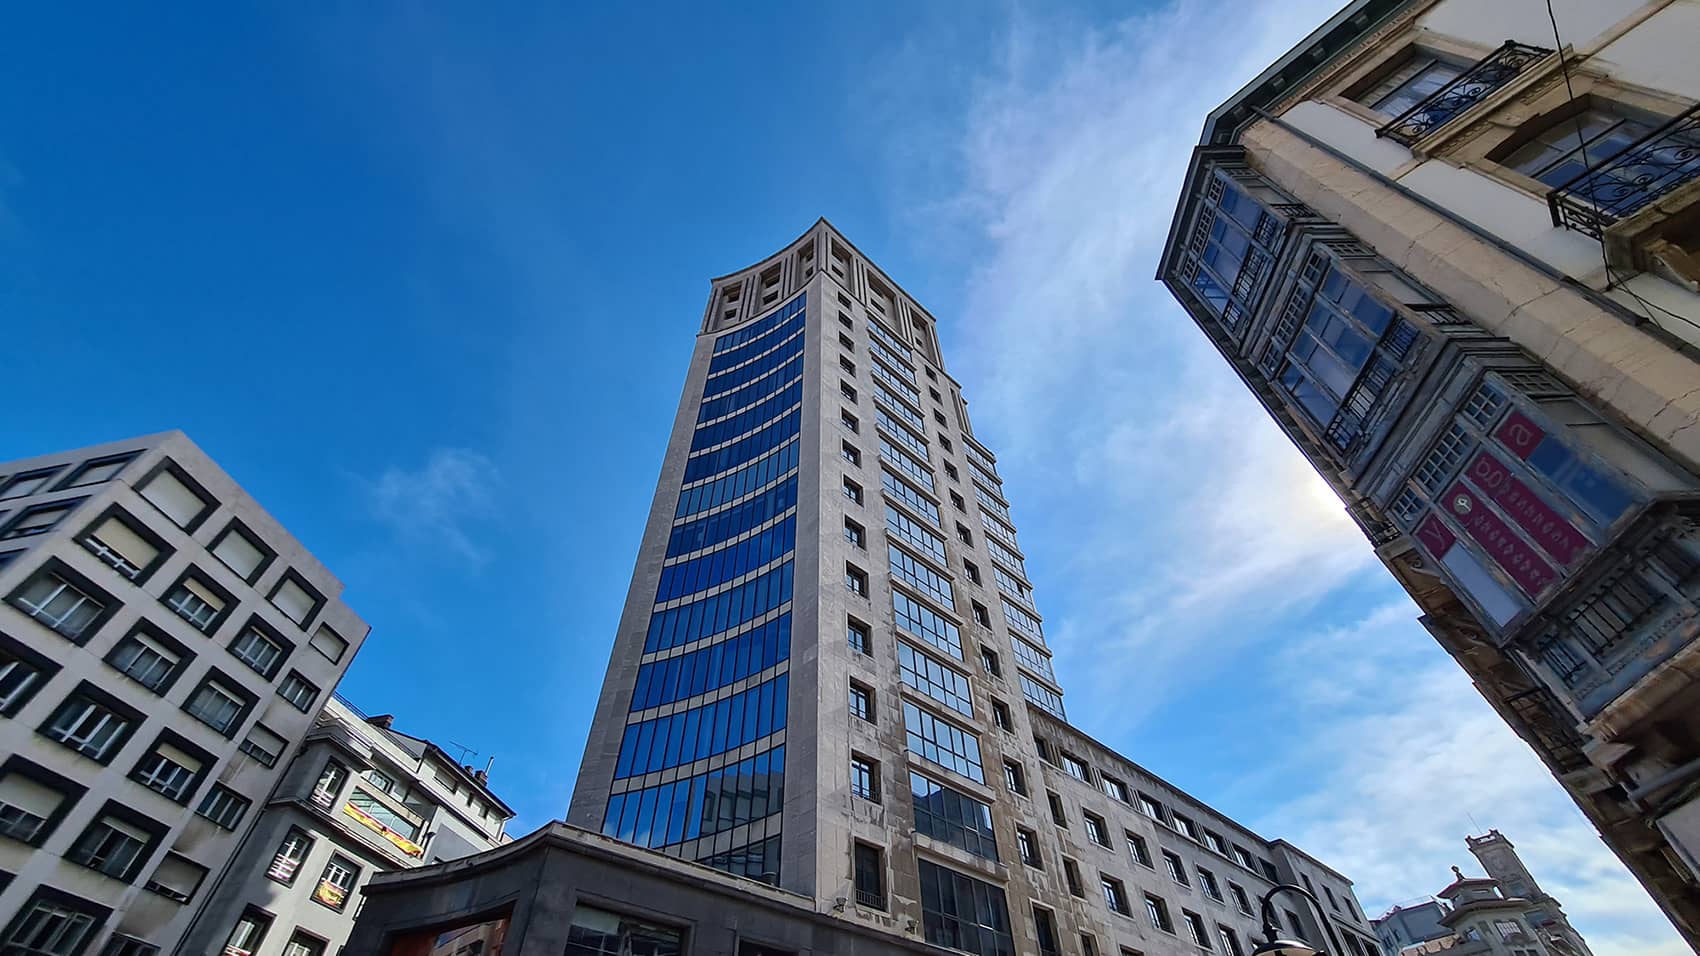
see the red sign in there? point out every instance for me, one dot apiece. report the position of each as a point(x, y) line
point(1520, 434)
point(1556, 535)
point(1487, 529)
point(1435, 536)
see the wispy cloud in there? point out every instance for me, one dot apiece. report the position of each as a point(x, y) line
point(437, 502)
point(1175, 532)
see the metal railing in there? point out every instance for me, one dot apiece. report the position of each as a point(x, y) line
point(1620, 186)
point(1363, 399)
point(1466, 90)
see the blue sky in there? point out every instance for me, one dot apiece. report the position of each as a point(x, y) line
point(423, 278)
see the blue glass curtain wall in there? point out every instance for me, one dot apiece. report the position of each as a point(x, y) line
point(748, 479)
point(695, 807)
point(751, 393)
point(718, 567)
point(707, 436)
point(689, 735)
point(719, 612)
point(714, 462)
point(714, 666)
point(755, 330)
point(734, 521)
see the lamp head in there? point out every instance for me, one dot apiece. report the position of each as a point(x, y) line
point(1284, 947)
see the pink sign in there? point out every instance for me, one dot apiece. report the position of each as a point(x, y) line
point(1556, 535)
point(1520, 434)
point(1523, 563)
point(1434, 536)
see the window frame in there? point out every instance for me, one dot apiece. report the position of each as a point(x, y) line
point(203, 580)
point(142, 630)
point(209, 503)
point(162, 550)
point(292, 576)
point(45, 895)
point(69, 790)
point(155, 831)
point(245, 698)
point(256, 624)
point(43, 670)
point(89, 692)
point(170, 738)
point(267, 553)
point(74, 579)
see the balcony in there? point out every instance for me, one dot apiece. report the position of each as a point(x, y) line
point(1466, 90)
point(1619, 186)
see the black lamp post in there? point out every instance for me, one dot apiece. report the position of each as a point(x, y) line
point(1272, 946)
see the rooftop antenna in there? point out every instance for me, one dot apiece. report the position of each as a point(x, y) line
point(464, 752)
point(1473, 823)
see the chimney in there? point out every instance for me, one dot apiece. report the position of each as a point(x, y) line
point(482, 776)
point(382, 721)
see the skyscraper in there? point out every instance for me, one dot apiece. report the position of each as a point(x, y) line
point(1447, 244)
point(831, 675)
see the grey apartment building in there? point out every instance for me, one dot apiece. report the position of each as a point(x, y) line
point(831, 675)
point(1449, 245)
point(164, 645)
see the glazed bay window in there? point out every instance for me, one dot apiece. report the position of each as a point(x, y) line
point(943, 743)
point(953, 817)
point(1233, 242)
point(960, 912)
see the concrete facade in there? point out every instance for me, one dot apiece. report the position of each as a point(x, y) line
point(1477, 344)
point(361, 798)
point(164, 645)
point(903, 562)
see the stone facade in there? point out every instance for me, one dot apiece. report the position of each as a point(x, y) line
point(1481, 336)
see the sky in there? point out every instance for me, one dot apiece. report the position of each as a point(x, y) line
point(423, 278)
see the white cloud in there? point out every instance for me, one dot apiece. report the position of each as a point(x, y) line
point(1175, 532)
point(432, 506)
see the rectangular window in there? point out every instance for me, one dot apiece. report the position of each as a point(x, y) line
point(120, 546)
point(907, 463)
point(1014, 778)
point(918, 575)
point(289, 856)
point(915, 500)
point(1242, 856)
point(295, 598)
point(247, 934)
point(38, 520)
point(329, 644)
point(861, 701)
point(1115, 788)
point(242, 552)
point(856, 580)
point(855, 534)
point(1242, 902)
point(858, 635)
point(170, 770)
point(1230, 942)
point(1151, 808)
point(1215, 842)
point(196, 602)
point(989, 661)
point(223, 806)
point(28, 803)
point(336, 883)
point(941, 742)
point(176, 878)
point(1207, 882)
point(852, 491)
point(960, 912)
point(1115, 894)
point(1071, 876)
point(1137, 849)
point(299, 691)
point(1027, 845)
point(948, 815)
point(1158, 911)
point(1058, 816)
point(1186, 826)
point(850, 423)
point(596, 932)
point(1034, 658)
point(941, 683)
point(121, 945)
point(1095, 828)
point(864, 778)
point(300, 944)
point(869, 876)
point(144, 658)
point(927, 624)
point(914, 533)
point(1075, 767)
point(175, 496)
point(263, 745)
point(91, 723)
point(1001, 716)
point(112, 846)
point(329, 784)
point(98, 471)
point(1045, 930)
point(52, 924)
point(1177, 869)
point(26, 484)
point(259, 650)
point(217, 706)
point(53, 600)
point(1195, 929)
point(22, 673)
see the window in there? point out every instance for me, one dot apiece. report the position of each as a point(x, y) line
point(53, 924)
point(1333, 903)
point(847, 390)
point(869, 876)
point(296, 598)
point(1045, 928)
point(176, 878)
point(850, 454)
point(964, 535)
point(1293, 923)
point(1115, 894)
point(299, 691)
point(852, 491)
point(177, 496)
point(263, 745)
point(1014, 778)
point(149, 658)
point(247, 934)
point(864, 778)
point(92, 723)
point(1242, 902)
point(946, 814)
point(596, 932)
point(1556, 156)
point(38, 520)
point(63, 602)
point(858, 635)
point(1346, 330)
point(1418, 77)
point(861, 701)
point(963, 913)
point(1137, 849)
point(856, 580)
point(941, 683)
point(32, 800)
point(199, 603)
point(1095, 829)
point(1088, 943)
point(847, 365)
point(329, 784)
point(1230, 942)
point(1186, 826)
point(1195, 929)
point(1151, 808)
point(1058, 816)
point(26, 484)
point(301, 944)
point(260, 650)
point(329, 644)
point(216, 704)
point(242, 551)
point(1001, 716)
point(22, 673)
point(941, 742)
point(1115, 788)
point(1242, 856)
point(1207, 882)
point(223, 806)
point(855, 534)
point(1268, 869)
point(1071, 876)
point(1158, 911)
point(122, 546)
point(950, 469)
point(971, 571)
point(849, 421)
point(1027, 845)
point(937, 398)
point(1215, 842)
point(1044, 749)
point(983, 618)
point(114, 843)
point(846, 342)
point(336, 883)
point(172, 768)
point(1177, 869)
point(989, 660)
point(121, 945)
point(957, 502)
point(1075, 767)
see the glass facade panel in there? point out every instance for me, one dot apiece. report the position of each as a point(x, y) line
point(964, 913)
point(937, 681)
point(953, 817)
point(942, 742)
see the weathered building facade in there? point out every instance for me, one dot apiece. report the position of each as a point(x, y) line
point(1446, 246)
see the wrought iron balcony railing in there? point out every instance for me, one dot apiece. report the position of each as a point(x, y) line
point(1466, 90)
point(1619, 186)
point(1364, 398)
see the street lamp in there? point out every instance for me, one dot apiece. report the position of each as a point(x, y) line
point(1271, 946)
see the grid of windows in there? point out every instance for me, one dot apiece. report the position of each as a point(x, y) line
point(727, 563)
point(902, 435)
point(747, 480)
point(708, 436)
point(752, 393)
point(898, 364)
point(1033, 659)
point(927, 624)
point(711, 802)
point(906, 463)
point(712, 667)
point(720, 612)
point(942, 742)
point(712, 463)
point(910, 530)
point(732, 370)
point(704, 731)
point(890, 340)
point(899, 489)
point(731, 522)
point(998, 529)
point(1021, 620)
point(1013, 586)
point(897, 384)
point(1006, 556)
point(991, 503)
point(963, 913)
point(909, 569)
point(941, 683)
point(901, 407)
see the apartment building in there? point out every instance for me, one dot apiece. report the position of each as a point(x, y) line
point(1446, 243)
point(164, 645)
point(361, 798)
